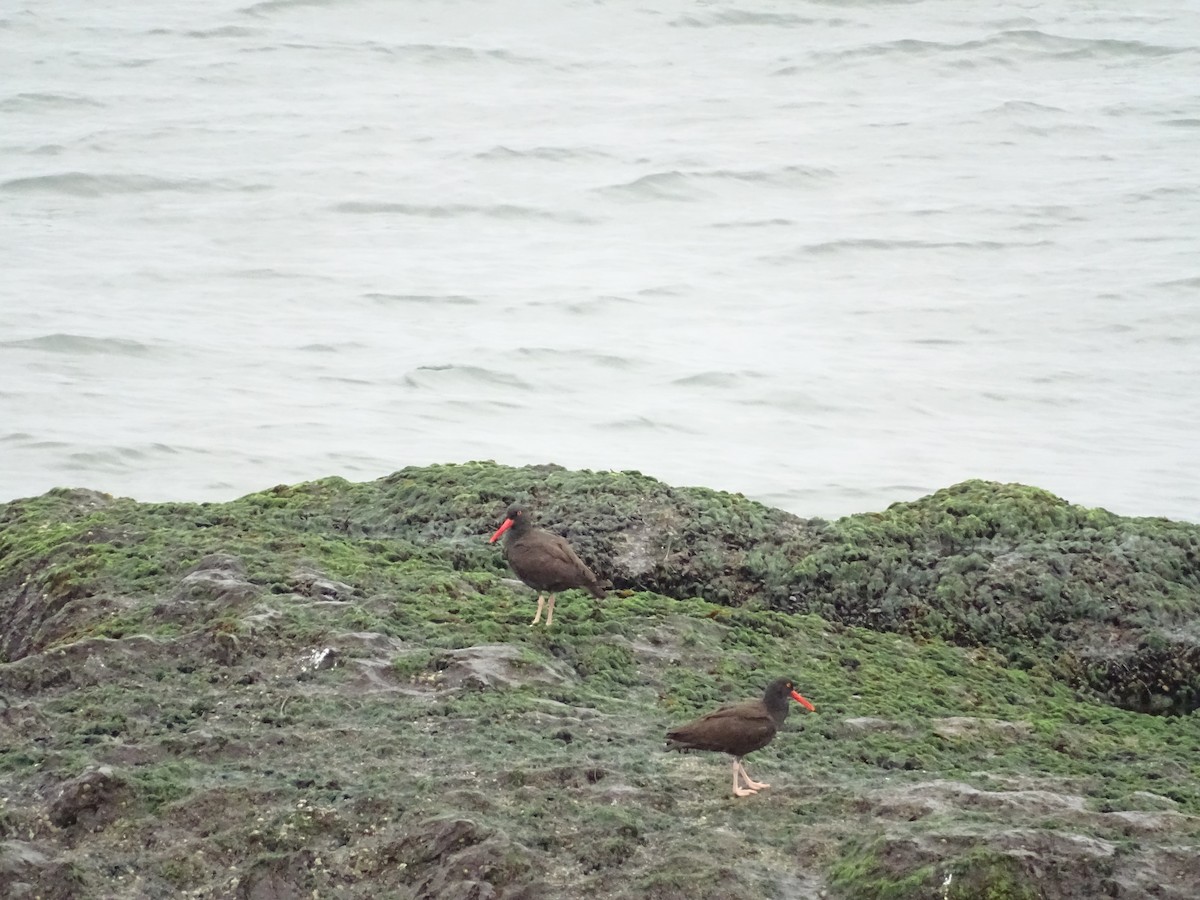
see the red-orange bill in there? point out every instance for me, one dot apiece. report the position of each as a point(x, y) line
point(499, 531)
point(803, 702)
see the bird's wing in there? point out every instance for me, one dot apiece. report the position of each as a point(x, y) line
point(563, 557)
point(734, 729)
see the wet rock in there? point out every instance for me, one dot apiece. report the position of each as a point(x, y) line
point(968, 726)
point(457, 858)
point(915, 801)
point(1016, 862)
point(215, 586)
point(317, 586)
point(91, 801)
point(869, 724)
point(1134, 822)
point(498, 665)
point(371, 642)
point(319, 659)
point(1147, 799)
point(278, 877)
point(218, 576)
point(27, 872)
point(18, 856)
point(226, 648)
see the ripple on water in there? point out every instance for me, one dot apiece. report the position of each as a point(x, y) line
point(717, 379)
point(266, 7)
point(34, 101)
point(115, 458)
point(459, 210)
point(604, 360)
point(645, 423)
point(543, 154)
point(673, 185)
point(423, 299)
point(450, 375)
point(78, 344)
point(330, 348)
point(84, 184)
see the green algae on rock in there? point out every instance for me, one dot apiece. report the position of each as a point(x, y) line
point(332, 688)
point(1109, 603)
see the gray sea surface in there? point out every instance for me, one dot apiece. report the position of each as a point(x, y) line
point(828, 254)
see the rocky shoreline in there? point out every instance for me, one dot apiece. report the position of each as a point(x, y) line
point(331, 689)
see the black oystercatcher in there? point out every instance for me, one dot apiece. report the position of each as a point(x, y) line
point(542, 560)
point(740, 729)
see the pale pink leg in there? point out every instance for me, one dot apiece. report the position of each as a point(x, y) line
point(550, 611)
point(753, 785)
point(738, 791)
point(538, 617)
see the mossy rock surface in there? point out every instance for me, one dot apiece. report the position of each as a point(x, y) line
point(331, 689)
point(1108, 603)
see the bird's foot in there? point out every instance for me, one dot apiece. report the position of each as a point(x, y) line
point(743, 792)
point(741, 776)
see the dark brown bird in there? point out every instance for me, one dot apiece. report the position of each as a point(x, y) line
point(740, 729)
point(542, 560)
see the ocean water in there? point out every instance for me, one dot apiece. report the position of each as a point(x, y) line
point(828, 254)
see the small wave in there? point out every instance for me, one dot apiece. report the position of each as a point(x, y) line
point(903, 47)
point(686, 185)
point(657, 186)
point(745, 17)
point(665, 290)
point(265, 7)
point(793, 401)
point(1183, 123)
point(1167, 192)
point(343, 379)
point(77, 344)
point(787, 176)
point(643, 423)
point(475, 406)
point(81, 184)
point(424, 299)
point(451, 210)
point(224, 31)
point(1064, 47)
point(330, 348)
point(453, 54)
point(28, 101)
point(935, 342)
point(267, 274)
point(1190, 284)
point(547, 154)
point(591, 305)
point(115, 458)
point(1020, 107)
point(837, 246)
point(451, 374)
point(1028, 40)
point(754, 223)
point(604, 360)
point(715, 379)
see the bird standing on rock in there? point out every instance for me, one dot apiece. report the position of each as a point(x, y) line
point(740, 729)
point(542, 560)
